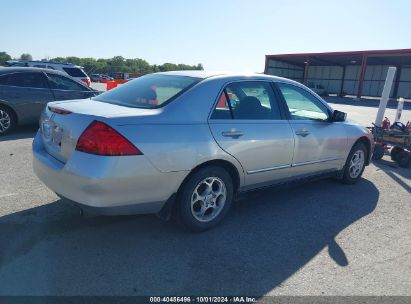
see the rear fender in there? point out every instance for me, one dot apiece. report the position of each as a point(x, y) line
point(177, 147)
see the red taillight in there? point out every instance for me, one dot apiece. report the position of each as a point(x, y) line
point(59, 111)
point(101, 139)
point(86, 81)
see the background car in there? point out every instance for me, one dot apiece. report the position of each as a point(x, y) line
point(100, 77)
point(95, 77)
point(24, 92)
point(72, 70)
point(165, 143)
point(318, 88)
point(106, 77)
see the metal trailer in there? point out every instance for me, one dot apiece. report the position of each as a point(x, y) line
point(397, 136)
point(396, 140)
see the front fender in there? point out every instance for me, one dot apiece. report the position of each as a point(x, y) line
point(355, 133)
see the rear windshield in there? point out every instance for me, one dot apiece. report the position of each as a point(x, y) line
point(150, 91)
point(75, 72)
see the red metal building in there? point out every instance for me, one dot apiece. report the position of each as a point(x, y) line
point(359, 73)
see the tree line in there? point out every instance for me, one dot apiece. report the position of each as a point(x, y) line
point(115, 64)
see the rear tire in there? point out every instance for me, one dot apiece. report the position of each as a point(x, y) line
point(355, 164)
point(205, 198)
point(395, 152)
point(404, 159)
point(7, 120)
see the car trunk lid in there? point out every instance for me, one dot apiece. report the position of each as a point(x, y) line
point(102, 109)
point(62, 123)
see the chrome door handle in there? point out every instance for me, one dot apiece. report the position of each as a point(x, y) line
point(233, 134)
point(302, 133)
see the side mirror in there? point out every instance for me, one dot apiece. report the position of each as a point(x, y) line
point(338, 116)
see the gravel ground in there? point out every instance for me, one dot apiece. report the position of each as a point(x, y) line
point(319, 238)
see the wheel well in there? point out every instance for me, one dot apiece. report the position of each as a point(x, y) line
point(11, 110)
point(231, 169)
point(367, 144)
point(170, 205)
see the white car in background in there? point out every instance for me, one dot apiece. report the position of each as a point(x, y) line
point(100, 77)
point(318, 88)
point(70, 69)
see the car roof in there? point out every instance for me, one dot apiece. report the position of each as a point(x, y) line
point(44, 62)
point(224, 74)
point(194, 73)
point(8, 70)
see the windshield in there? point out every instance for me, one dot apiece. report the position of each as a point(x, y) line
point(150, 91)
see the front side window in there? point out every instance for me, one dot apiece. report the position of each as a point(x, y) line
point(150, 91)
point(27, 80)
point(301, 104)
point(58, 82)
point(247, 100)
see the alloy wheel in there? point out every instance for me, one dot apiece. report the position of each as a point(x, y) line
point(357, 163)
point(208, 199)
point(5, 121)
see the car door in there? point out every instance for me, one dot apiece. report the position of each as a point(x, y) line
point(320, 145)
point(248, 123)
point(27, 93)
point(65, 88)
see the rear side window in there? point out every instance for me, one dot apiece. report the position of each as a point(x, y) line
point(58, 82)
point(17, 64)
point(247, 100)
point(75, 72)
point(150, 91)
point(27, 80)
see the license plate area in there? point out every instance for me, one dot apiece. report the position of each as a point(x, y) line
point(52, 133)
point(56, 136)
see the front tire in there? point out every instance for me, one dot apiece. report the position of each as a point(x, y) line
point(379, 152)
point(355, 164)
point(205, 198)
point(7, 120)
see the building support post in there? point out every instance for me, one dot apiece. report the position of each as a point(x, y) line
point(342, 81)
point(385, 95)
point(306, 67)
point(362, 75)
point(266, 64)
point(397, 82)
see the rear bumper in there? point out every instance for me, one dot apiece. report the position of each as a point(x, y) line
point(107, 184)
point(141, 208)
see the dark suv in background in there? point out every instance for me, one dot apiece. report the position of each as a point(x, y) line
point(24, 92)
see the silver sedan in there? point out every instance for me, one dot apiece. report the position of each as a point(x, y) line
point(187, 143)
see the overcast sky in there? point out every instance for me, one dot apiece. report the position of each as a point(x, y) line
point(220, 34)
